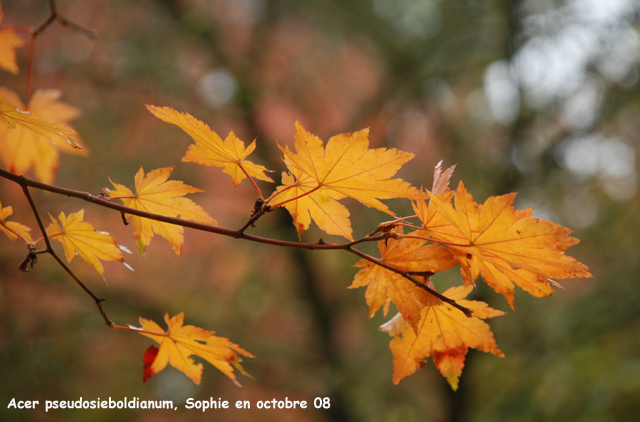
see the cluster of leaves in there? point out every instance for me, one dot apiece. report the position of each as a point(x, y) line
point(504, 246)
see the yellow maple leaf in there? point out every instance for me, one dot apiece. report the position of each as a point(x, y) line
point(503, 245)
point(32, 136)
point(444, 333)
point(9, 41)
point(11, 228)
point(180, 342)
point(385, 286)
point(320, 176)
point(78, 237)
point(156, 195)
point(210, 150)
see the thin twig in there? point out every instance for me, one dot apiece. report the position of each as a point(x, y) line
point(237, 234)
point(406, 274)
point(90, 33)
point(251, 180)
point(15, 233)
point(104, 202)
point(98, 301)
point(53, 16)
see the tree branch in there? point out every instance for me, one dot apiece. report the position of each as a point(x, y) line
point(236, 234)
point(98, 301)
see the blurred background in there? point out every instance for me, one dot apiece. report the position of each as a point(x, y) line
point(539, 97)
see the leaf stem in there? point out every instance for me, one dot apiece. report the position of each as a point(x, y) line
point(401, 219)
point(15, 233)
point(278, 192)
point(250, 179)
point(411, 226)
point(429, 239)
point(279, 204)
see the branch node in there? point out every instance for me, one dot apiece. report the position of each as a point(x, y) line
point(260, 208)
point(30, 260)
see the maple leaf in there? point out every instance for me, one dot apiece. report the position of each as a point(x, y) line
point(9, 41)
point(444, 333)
point(180, 342)
point(320, 176)
point(27, 141)
point(78, 237)
point(156, 195)
point(385, 286)
point(210, 150)
point(503, 245)
point(11, 228)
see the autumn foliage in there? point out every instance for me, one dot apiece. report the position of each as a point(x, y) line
point(493, 241)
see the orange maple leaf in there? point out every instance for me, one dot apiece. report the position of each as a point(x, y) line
point(385, 286)
point(210, 150)
point(80, 238)
point(13, 229)
point(32, 136)
point(503, 245)
point(180, 342)
point(444, 333)
point(9, 41)
point(156, 195)
point(320, 176)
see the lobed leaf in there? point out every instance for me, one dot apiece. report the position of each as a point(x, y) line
point(179, 342)
point(78, 237)
point(28, 142)
point(210, 150)
point(155, 194)
point(13, 229)
point(503, 245)
point(444, 333)
point(385, 286)
point(319, 177)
